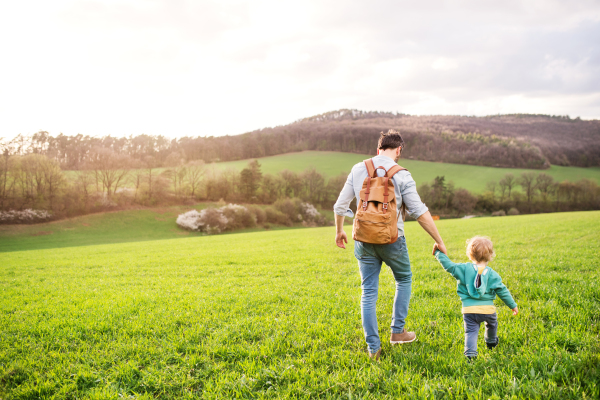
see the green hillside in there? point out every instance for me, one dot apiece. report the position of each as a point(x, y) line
point(471, 177)
point(272, 315)
point(104, 228)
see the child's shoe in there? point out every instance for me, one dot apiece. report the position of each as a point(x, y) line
point(492, 344)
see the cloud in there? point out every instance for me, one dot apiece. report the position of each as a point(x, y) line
point(224, 67)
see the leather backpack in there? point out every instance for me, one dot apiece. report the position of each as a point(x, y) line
point(376, 218)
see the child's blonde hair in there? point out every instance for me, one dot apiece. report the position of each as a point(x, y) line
point(480, 249)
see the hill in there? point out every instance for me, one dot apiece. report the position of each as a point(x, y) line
point(470, 177)
point(266, 315)
point(122, 226)
point(513, 141)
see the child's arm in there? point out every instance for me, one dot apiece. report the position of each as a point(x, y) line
point(504, 294)
point(443, 259)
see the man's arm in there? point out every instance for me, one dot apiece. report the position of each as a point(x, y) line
point(428, 225)
point(340, 208)
point(416, 208)
point(340, 235)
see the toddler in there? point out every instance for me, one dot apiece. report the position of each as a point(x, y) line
point(477, 287)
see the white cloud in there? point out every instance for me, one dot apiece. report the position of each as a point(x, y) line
point(225, 67)
point(444, 64)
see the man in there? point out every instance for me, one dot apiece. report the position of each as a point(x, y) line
point(395, 255)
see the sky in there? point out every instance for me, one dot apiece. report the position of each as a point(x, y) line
point(209, 68)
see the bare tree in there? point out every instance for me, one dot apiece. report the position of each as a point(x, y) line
point(502, 189)
point(527, 182)
point(509, 183)
point(271, 188)
point(543, 183)
point(491, 187)
point(150, 164)
point(314, 185)
point(5, 165)
point(136, 177)
point(54, 179)
point(83, 180)
point(463, 201)
point(193, 178)
point(110, 169)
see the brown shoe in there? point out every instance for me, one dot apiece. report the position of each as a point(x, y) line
point(404, 337)
point(375, 356)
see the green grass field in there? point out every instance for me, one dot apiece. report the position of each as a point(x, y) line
point(471, 177)
point(105, 228)
point(276, 315)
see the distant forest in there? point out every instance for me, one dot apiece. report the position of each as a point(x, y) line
point(518, 141)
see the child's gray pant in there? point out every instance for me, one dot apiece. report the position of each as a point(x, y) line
point(472, 322)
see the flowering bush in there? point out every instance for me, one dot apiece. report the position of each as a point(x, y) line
point(217, 220)
point(212, 220)
point(234, 216)
point(27, 216)
point(189, 220)
point(298, 211)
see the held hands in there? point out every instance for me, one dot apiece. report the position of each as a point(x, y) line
point(340, 239)
point(515, 310)
point(439, 246)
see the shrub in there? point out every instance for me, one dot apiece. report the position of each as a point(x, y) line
point(212, 221)
point(277, 217)
point(189, 220)
point(513, 211)
point(298, 211)
point(290, 207)
point(27, 216)
point(500, 213)
point(312, 216)
point(463, 201)
point(238, 216)
point(259, 214)
point(217, 220)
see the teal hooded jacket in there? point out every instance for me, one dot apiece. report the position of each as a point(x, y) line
point(484, 295)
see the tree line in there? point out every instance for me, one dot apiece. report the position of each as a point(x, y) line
point(35, 181)
point(539, 193)
point(504, 141)
point(112, 180)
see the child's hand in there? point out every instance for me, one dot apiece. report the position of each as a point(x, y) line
point(515, 310)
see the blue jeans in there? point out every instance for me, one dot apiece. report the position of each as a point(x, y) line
point(370, 257)
point(472, 323)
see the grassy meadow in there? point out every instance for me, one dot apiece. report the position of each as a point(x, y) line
point(470, 177)
point(276, 314)
point(109, 227)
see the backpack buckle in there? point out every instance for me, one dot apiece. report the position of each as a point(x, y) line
point(385, 206)
point(364, 205)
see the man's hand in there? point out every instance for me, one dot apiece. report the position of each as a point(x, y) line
point(340, 239)
point(426, 222)
point(440, 247)
point(515, 310)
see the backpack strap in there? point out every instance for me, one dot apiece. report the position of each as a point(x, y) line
point(390, 174)
point(394, 170)
point(371, 173)
point(370, 167)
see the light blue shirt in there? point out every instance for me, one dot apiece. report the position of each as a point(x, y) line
point(404, 187)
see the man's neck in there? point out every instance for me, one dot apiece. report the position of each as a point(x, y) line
point(389, 153)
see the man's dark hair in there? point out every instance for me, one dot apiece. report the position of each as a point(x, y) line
point(390, 140)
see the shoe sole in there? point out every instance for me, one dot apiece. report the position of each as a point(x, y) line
point(403, 341)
